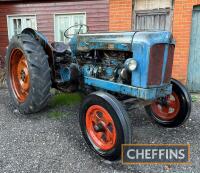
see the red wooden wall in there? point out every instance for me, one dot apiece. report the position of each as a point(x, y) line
point(97, 13)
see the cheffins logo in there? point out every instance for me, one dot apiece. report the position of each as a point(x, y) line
point(156, 154)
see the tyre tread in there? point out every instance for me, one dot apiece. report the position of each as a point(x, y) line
point(39, 70)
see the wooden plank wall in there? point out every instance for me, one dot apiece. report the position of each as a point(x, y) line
point(97, 13)
point(194, 59)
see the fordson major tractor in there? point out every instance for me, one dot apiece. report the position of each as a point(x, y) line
point(118, 71)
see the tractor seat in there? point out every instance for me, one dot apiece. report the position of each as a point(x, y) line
point(60, 47)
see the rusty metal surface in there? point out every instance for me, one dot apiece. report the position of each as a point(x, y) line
point(106, 41)
point(168, 72)
point(156, 64)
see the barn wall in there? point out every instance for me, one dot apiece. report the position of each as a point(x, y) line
point(96, 12)
point(182, 32)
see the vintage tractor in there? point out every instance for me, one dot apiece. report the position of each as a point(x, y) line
point(118, 71)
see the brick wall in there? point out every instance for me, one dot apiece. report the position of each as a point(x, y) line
point(120, 17)
point(181, 30)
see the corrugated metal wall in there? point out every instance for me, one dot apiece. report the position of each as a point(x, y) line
point(97, 13)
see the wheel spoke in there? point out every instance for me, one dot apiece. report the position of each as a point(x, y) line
point(98, 116)
point(94, 117)
point(99, 135)
point(104, 137)
point(165, 109)
point(109, 135)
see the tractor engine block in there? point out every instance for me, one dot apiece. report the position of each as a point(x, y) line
point(106, 65)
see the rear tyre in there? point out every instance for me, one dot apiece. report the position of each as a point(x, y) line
point(28, 74)
point(173, 110)
point(104, 124)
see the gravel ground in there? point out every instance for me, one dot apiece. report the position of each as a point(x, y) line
point(43, 143)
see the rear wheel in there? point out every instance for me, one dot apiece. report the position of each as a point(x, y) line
point(28, 74)
point(104, 124)
point(172, 110)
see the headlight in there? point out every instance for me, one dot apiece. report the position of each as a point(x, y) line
point(130, 64)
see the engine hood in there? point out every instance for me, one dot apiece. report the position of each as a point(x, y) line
point(106, 41)
point(121, 41)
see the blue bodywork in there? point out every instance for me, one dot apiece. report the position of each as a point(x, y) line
point(139, 43)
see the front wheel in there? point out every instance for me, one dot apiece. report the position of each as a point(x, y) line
point(104, 124)
point(172, 110)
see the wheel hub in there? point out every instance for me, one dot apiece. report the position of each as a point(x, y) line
point(23, 75)
point(167, 108)
point(100, 127)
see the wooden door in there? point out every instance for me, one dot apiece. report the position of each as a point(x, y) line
point(194, 59)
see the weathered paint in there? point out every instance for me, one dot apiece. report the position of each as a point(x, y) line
point(105, 41)
point(165, 62)
point(194, 61)
point(142, 93)
point(142, 43)
point(139, 43)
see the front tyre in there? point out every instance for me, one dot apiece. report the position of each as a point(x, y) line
point(28, 74)
point(173, 110)
point(104, 124)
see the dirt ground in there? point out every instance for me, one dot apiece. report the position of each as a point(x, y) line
point(2, 78)
point(50, 141)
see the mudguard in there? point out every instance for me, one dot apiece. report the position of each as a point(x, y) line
point(45, 44)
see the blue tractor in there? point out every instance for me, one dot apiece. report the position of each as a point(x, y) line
point(118, 71)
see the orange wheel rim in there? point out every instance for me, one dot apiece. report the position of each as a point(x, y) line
point(100, 127)
point(19, 75)
point(168, 111)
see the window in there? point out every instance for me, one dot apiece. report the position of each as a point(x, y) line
point(64, 21)
point(153, 14)
point(17, 23)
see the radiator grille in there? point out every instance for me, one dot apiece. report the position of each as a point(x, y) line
point(156, 64)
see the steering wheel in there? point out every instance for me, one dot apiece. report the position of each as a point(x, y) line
point(81, 26)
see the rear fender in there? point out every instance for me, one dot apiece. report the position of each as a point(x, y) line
point(41, 38)
point(44, 42)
